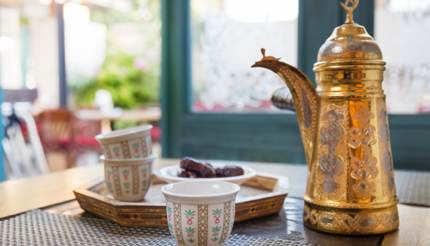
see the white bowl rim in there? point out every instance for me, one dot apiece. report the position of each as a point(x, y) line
point(124, 132)
point(163, 173)
point(234, 189)
point(119, 161)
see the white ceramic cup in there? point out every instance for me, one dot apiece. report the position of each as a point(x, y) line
point(200, 212)
point(128, 180)
point(130, 143)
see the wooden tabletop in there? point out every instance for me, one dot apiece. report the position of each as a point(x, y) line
point(53, 192)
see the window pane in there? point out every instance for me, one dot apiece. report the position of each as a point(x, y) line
point(10, 50)
point(402, 30)
point(113, 53)
point(226, 39)
point(24, 30)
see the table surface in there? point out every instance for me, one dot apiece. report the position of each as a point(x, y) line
point(53, 192)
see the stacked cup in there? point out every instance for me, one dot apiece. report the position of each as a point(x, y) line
point(128, 162)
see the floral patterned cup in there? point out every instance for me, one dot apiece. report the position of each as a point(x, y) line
point(130, 143)
point(200, 212)
point(128, 180)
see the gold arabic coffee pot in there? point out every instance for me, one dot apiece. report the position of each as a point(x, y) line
point(344, 128)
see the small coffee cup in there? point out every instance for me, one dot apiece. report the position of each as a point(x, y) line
point(200, 212)
point(128, 180)
point(130, 143)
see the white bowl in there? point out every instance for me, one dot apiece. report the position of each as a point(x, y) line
point(200, 212)
point(170, 175)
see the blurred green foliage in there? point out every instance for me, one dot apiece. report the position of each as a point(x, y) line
point(123, 124)
point(130, 83)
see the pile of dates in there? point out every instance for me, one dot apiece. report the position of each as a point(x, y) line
point(191, 168)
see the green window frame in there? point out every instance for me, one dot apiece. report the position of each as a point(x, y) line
point(2, 164)
point(260, 136)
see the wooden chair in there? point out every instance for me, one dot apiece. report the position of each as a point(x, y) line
point(57, 132)
point(61, 130)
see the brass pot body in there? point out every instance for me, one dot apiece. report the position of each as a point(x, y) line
point(350, 187)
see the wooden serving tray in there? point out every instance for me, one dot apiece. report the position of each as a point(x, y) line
point(260, 196)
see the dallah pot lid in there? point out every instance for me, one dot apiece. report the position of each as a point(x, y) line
point(349, 43)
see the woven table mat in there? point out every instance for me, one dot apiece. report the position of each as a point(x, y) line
point(41, 228)
point(413, 187)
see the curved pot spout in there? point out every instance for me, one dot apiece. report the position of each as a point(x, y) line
point(304, 99)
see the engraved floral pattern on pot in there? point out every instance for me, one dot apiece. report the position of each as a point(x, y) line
point(361, 136)
point(363, 115)
point(330, 164)
point(331, 132)
point(364, 168)
point(363, 189)
point(329, 185)
point(362, 161)
point(333, 129)
point(363, 222)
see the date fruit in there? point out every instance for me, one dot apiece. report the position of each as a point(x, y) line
point(191, 168)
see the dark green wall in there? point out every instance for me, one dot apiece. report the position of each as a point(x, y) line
point(410, 141)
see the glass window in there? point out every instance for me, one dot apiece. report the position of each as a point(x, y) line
point(402, 30)
point(113, 53)
point(22, 29)
point(28, 50)
point(226, 39)
point(10, 50)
